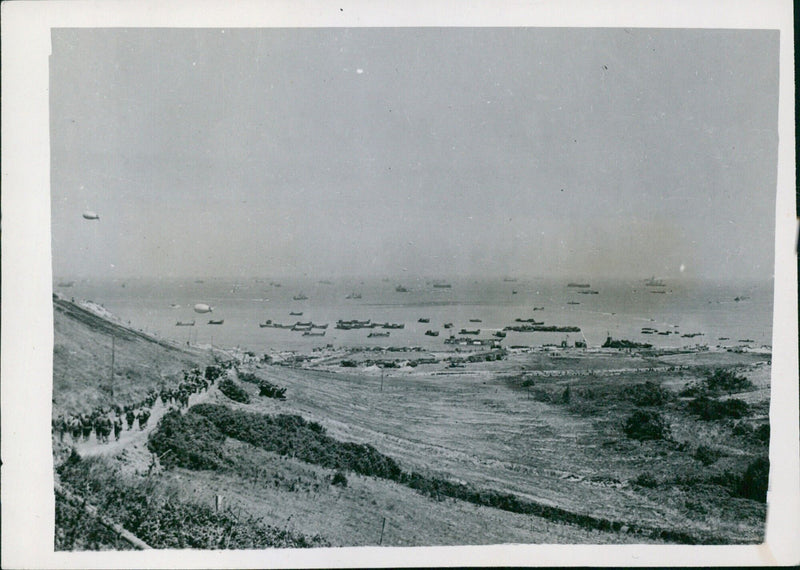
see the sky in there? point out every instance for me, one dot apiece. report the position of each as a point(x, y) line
point(428, 151)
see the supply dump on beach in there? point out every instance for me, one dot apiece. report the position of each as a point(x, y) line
point(407, 439)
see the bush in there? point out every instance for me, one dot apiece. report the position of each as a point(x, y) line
point(755, 481)
point(188, 440)
point(647, 394)
point(722, 380)
point(709, 409)
point(762, 433)
point(646, 425)
point(646, 480)
point(339, 479)
point(233, 391)
point(706, 455)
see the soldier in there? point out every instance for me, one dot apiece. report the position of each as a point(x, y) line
point(75, 428)
point(144, 415)
point(117, 427)
point(86, 426)
point(130, 417)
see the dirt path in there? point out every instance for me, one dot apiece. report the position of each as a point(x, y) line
point(133, 437)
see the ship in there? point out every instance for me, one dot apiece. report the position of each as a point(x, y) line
point(184, 324)
point(300, 297)
point(296, 313)
point(310, 333)
point(441, 286)
point(377, 334)
point(432, 333)
point(424, 320)
point(579, 285)
point(468, 331)
point(475, 321)
point(400, 289)
point(353, 295)
point(216, 321)
point(573, 303)
point(653, 282)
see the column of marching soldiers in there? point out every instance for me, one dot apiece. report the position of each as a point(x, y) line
point(105, 420)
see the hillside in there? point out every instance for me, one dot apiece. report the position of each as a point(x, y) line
point(82, 352)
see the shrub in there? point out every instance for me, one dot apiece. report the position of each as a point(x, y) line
point(706, 455)
point(233, 391)
point(188, 440)
point(755, 480)
point(646, 425)
point(646, 480)
point(722, 380)
point(709, 409)
point(762, 433)
point(647, 394)
point(349, 364)
point(339, 479)
point(249, 377)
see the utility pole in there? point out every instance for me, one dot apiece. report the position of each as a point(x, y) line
point(113, 350)
point(383, 526)
point(382, 391)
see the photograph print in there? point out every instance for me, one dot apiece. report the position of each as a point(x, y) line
point(411, 286)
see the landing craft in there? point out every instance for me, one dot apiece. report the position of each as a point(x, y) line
point(89, 215)
point(202, 308)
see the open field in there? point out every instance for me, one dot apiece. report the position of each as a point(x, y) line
point(546, 428)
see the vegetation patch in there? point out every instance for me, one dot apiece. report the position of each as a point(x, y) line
point(712, 409)
point(187, 440)
point(233, 391)
point(647, 394)
point(154, 515)
point(646, 425)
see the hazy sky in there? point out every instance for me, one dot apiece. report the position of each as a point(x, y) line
point(444, 151)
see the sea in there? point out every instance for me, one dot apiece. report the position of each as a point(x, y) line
point(724, 314)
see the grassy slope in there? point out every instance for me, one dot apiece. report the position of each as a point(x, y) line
point(476, 428)
point(82, 360)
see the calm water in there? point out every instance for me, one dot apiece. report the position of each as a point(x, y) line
point(621, 308)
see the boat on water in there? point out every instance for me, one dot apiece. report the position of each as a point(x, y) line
point(500, 334)
point(579, 285)
point(469, 331)
point(377, 334)
point(573, 303)
point(538, 308)
point(353, 295)
point(66, 283)
point(448, 325)
point(514, 292)
point(393, 326)
point(653, 282)
point(311, 333)
point(741, 298)
point(510, 279)
point(442, 286)
point(300, 297)
point(589, 292)
point(184, 324)
point(475, 321)
point(659, 292)
point(400, 289)
point(431, 333)
point(266, 324)
point(216, 321)
point(314, 326)
point(296, 313)
point(724, 338)
point(424, 320)
point(531, 321)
